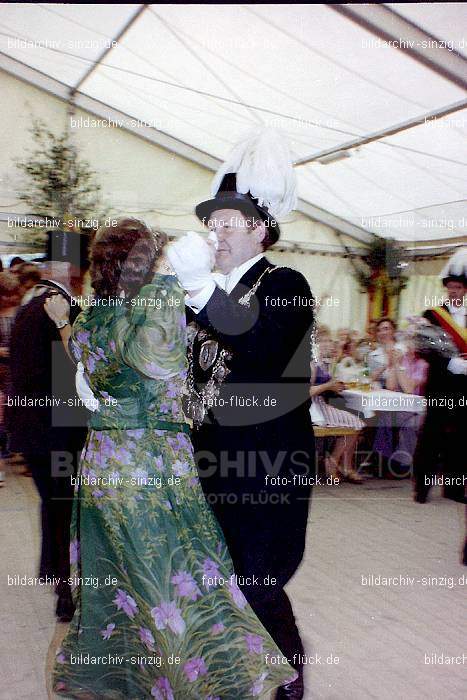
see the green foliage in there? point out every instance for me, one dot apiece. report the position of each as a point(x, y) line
point(384, 256)
point(58, 183)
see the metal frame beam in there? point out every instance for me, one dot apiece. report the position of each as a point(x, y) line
point(409, 38)
point(106, 51)
point(99, 109)
point(159, 138)
point(388, 131)
point(424, 250)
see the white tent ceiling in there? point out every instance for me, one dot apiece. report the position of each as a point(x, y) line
point(204, 74)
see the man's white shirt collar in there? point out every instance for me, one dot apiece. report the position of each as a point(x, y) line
point(225, 282)
point(458, 314)
point(230, 281)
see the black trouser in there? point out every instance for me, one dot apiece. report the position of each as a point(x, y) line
point(264, 528)
point(440, 448)
point(267, 542)
point(56, 493)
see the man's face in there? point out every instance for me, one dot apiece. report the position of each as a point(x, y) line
point(385, 332)
point(238, 240)
point(456, 292)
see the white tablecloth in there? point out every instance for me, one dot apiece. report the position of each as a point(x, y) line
point(369, 402)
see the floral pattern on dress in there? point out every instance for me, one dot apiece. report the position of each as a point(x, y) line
point(165, 619)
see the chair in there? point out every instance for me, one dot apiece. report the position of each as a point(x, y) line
point(322, 435)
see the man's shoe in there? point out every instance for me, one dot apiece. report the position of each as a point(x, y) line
point(65, 608)
point(291, 691)
point(420, 492)
point(420, 496)
point(455, 493)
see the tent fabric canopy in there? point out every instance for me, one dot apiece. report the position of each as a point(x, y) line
point(204, 74)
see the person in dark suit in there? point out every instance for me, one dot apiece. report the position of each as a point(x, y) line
point(440, 443)
point(45, 420)
point(249, 374)
point(451, 315)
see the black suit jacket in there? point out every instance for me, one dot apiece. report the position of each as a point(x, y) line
point(269, 342)
point(41, 371)
point(239, 445)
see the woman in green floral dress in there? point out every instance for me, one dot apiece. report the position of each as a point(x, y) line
point(158, 610)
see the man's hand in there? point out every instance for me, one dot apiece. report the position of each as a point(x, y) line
point(57, 308)
point(458, 365)
point(192, 258)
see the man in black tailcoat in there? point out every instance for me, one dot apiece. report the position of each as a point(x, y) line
point(250, 331)
point(441, 442)
point(45, 423)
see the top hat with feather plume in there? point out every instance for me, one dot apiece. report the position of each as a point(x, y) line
point(455, 269)
point(257, 179)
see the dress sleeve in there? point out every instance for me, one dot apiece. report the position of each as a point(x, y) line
point(151, 336)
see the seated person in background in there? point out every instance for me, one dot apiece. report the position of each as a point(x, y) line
point(347, 367)
point(397, 432)
point(14, 262)
point(342, 338)
point(340, 462)
point(328, 352)
point(409, 374)
point(362, 350)
point(388, 352)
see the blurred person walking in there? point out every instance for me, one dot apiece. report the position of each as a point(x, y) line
point(10, 297)
point(441, 443)
point(45, 423)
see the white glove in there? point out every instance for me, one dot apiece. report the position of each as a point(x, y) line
point(83, 389)
point(192, 259)
point(213, 237)
point(457, 365)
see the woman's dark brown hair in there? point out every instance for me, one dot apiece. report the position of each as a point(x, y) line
point(28, 275)
point(10, 290)
point(123, 257)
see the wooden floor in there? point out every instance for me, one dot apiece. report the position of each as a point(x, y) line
point(380, 634)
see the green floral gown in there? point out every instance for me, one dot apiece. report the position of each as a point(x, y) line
point(158, 610)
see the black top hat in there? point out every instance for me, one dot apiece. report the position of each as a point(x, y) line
point(227, 197)
point(455, 278)
point(68, 246)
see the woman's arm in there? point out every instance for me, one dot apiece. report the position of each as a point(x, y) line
point(331, 385)
point(407, 384)
point(376, 367)
point(376, 374)
point(392, 379)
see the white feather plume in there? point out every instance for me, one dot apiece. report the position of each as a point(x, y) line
point(456, 265)
point(263, 164)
